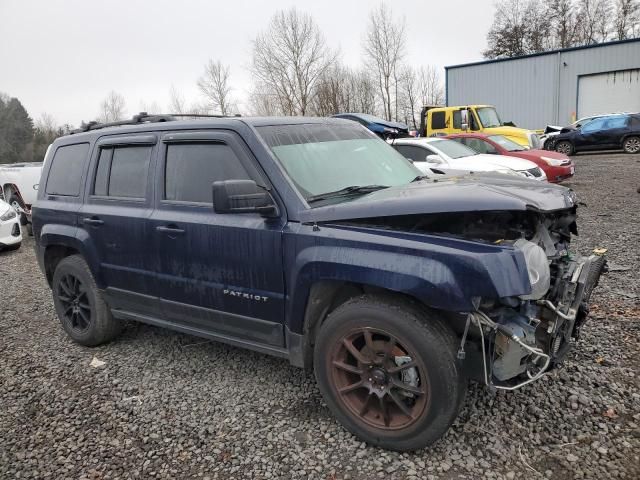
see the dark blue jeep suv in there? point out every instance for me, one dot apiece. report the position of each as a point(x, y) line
point(313, 240)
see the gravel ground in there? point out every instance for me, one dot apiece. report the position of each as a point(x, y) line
point(168, 405)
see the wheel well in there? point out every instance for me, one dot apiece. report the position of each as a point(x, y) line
point(324, 298)
point(52, 257)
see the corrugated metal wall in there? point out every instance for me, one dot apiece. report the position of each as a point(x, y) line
point(538, 90)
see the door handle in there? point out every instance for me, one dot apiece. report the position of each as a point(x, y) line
point(170, 229)
point(95, 221)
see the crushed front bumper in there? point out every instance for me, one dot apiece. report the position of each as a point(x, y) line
point(519, 345)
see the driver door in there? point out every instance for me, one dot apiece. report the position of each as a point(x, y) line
point(220, 274)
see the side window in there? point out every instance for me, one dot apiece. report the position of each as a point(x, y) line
point(616, 122)
point(593, 125)
point(191, 169)
point(122, 172)
point(457, 119)
point(438, 120)
point(66, 170)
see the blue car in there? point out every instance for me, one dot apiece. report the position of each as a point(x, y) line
point(312, 240)
point(380, 127)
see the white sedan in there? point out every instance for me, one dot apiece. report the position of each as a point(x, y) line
point(10, 234)
point(440, 154)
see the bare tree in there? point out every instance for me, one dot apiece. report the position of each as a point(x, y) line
point(150, 107)
point(508, 34)
point(420, 87)
point(564, 24)
point(364, 92)
point(593, 16)
point(215, 86)
point(384, 46)
point(177, 103)
point(112, 108)
point(264, 103)
point(289, 58)
point(627, 19)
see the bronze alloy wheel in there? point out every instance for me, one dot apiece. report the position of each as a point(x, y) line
point(379, 379)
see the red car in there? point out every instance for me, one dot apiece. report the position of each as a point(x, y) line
point(556, 166)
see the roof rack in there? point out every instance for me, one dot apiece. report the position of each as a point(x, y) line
point(144, 117)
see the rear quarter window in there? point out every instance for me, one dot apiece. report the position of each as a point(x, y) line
point(65, 174)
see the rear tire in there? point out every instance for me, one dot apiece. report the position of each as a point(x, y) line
point(631, 145)
point(82, 312)
point(358, 361)
point(564, 146)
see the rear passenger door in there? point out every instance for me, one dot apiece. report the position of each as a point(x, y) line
point(219, 274)
point(115, 216)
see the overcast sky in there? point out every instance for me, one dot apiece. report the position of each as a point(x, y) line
point(63, 56)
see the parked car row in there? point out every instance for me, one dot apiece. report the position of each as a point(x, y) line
point(474, 152)
point(313, 240)
point(19, 187)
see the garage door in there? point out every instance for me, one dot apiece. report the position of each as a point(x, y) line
point(609, 92)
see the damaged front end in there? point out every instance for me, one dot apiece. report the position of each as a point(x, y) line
point(512, 341)
point(523, 337)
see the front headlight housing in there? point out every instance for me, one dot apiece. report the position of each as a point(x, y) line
point(537, 268)
point(8, 215)
point(556, 162)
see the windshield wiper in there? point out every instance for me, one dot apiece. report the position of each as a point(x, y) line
point(418, 178)
point(354, 189)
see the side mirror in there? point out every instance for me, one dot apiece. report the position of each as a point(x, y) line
point(242, 196)
point(433, 158)
point(464, 120)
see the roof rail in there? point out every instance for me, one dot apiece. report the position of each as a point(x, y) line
point(144, 117)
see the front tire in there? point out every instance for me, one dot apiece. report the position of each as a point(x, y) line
point(565, 147)
point(631, 145)
point(388, 371)
point(82, 312)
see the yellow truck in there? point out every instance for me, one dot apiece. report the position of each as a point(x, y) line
point(440, 121)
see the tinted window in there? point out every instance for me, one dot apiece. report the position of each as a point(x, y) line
point(122, 172)
point(101, 185)
point(417, 154)
point(191, 170)
point(66, 170)
point(438, 120)
point(616, 122)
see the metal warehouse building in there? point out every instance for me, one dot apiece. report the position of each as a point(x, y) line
point(554, 87)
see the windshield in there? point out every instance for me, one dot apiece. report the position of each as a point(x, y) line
point(488, 117)
point(505, 143)
point(453, 149)
point(321, 158)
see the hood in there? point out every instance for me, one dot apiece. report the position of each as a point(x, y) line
point(487, 162)
point(396, 125)
point(536, 154)
point(507, 131)
point(444, 194)
point(552, 129)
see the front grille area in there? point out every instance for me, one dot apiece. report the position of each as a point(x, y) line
point(15, 231)
point(536, 172)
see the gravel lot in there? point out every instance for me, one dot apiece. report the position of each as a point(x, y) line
point(168, 405)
